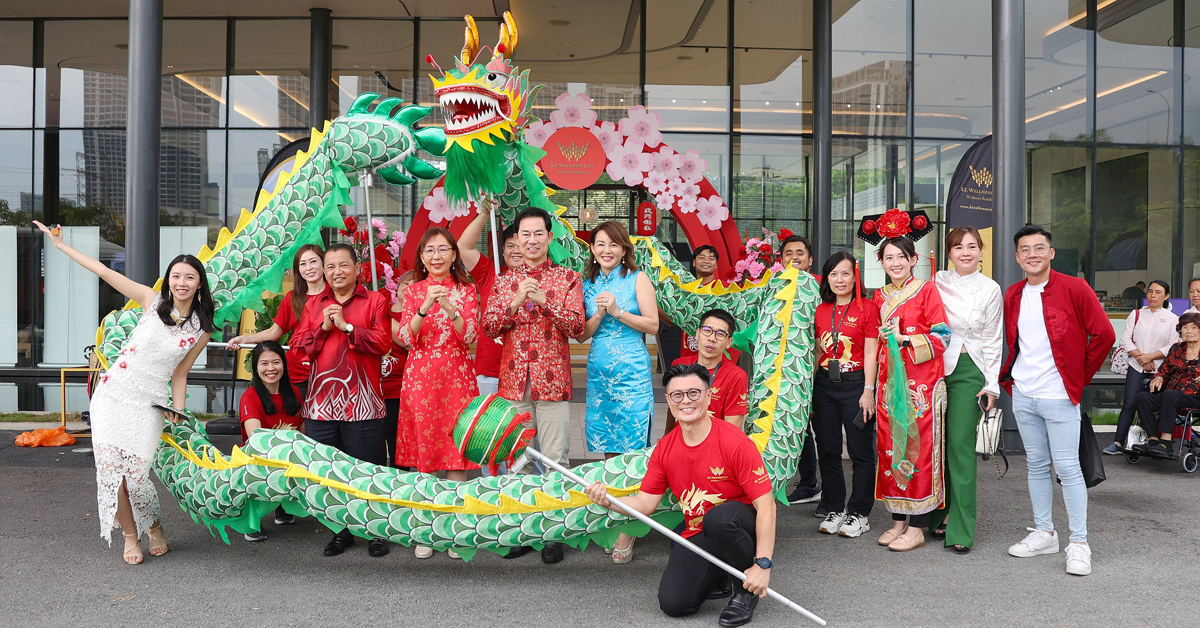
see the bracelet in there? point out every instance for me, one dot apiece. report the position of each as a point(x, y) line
point(455, 317)
point(620, 313)
point(422, 315)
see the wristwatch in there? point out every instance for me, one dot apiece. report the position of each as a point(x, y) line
point(764, 563)
point(349, 328)
point(869, 387)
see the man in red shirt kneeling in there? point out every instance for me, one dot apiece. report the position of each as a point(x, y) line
point(719, 477)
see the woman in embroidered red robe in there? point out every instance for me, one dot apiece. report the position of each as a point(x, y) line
point(909, 478)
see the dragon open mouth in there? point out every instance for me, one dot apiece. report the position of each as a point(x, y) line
point(467, 109)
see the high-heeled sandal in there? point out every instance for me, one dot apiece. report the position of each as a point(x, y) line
point(158, 539)
point(623, 556)
point(134, 552)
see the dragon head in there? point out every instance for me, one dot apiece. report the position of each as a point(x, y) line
point(484, 99)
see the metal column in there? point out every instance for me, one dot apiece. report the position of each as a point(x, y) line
point(822, 172)
point(143, 137)
point(1008, 155)
point(320, 66)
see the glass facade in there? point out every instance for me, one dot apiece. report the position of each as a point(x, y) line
point(1112, 121)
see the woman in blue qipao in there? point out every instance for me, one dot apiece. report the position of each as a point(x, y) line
point(620, 308)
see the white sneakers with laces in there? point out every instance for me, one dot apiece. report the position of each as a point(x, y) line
point(833, 522)
point(1038, 542)
point(1079, 559)
point(854, 526)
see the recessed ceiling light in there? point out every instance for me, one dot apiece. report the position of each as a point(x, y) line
point(121, 46)
point(339, 46)
point(672, 100)
point(684, 58)
point(560, 22)
point(170, 66)
point(768, 103)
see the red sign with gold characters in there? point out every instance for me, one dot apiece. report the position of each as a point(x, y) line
point(574, 158)
point(647, 218)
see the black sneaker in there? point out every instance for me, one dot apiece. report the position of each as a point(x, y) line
point(284, 518)
point(338, 545)
point(1161, 448)
point(255, 537)
point(805, 495)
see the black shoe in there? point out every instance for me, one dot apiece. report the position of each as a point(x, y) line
point(740, 610)
point(939, 532)
point(721, 590)
point(960, 549)
point(338, 545)
point(255, 537)
point(1160, 448)
point(378, 547)
point(283, 518)
point(552, 553)
point(517, 552)
point(804, 495)
point(821, 512)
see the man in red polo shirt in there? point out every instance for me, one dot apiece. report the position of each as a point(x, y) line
point(730, 385)
point(719, 478)
point(346, 333)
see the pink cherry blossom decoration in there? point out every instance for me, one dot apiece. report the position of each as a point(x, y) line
point(667, 161)
point(642, 126)
point(536, 133)
point(573, 110)
point(655, 182)
point(664, 200)
point(692, 166)
point(439, 207)
point(712, 212)
point(608, 135)
point(686, 204)
point(627, 162)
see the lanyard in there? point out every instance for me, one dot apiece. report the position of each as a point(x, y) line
point(837, 325)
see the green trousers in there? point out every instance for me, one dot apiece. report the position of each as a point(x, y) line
point(962, 417)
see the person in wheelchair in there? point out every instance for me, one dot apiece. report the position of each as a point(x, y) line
point(1174, 389)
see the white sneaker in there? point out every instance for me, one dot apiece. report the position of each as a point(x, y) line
point(423, 552)
point(854, 526)
point(1038, 542)
point(1079, 559)
point(453, 554)
point(832, 522)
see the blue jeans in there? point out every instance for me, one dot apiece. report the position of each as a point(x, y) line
point(1050, 430)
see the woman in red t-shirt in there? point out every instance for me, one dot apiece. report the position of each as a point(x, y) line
point(307, 265)
point(271, 402)
point(393, 369)
point(847, 328)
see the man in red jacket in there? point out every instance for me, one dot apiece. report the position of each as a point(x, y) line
point(1051, 320)
point(347, 331)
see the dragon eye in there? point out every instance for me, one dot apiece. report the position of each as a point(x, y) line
point(492, 76)
point(496, 80)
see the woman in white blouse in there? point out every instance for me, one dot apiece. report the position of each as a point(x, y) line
point(974, 310)
point(1149, 334)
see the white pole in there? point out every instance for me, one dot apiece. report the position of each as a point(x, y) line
point(225, 345)
point(364, 180)
point(496, 252)
point(537, 455)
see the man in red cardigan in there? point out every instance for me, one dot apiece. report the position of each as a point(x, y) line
point(347, 331)
point(1051, 320)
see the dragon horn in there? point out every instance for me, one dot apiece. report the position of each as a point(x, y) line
point(470, 41)
point(508, 37)
point(361, 102)
point(386, 106)
point(409, 115)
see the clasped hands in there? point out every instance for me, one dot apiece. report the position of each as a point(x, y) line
point(531, 289)
point(439, 295)
point(606, 303)
point(1147, 363)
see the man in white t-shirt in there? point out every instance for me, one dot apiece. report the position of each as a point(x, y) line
point(1051, 320)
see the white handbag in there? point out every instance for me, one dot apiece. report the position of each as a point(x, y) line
point(1137, 436)
point(987, 434)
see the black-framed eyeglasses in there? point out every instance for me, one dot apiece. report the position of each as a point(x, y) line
point(692, 394)
point(720, 334)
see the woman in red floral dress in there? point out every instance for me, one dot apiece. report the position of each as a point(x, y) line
point(439, 321)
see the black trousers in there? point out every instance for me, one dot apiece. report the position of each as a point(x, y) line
point(361, 439)
point(807, 468)
point(391, 426)
point(835, 405)
point(728, 534)
point(1135, 384)
point(1157, 411)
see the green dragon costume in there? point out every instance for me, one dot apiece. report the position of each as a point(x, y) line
point(485, 155)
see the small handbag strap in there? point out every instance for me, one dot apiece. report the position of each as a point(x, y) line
point(1000, 452)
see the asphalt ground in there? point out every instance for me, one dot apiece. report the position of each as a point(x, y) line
point(1143, 529)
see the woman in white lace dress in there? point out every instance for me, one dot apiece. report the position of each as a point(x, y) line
point(126, 430)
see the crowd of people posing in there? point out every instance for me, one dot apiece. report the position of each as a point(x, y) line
point(901, 381)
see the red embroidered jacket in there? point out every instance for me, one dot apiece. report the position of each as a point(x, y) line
point(346, 368)
point(535, 339)
point(1080, 333)
point(1179, 373)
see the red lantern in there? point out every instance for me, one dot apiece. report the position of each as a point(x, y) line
point(647, 218)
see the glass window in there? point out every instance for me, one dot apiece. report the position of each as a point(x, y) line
point(249, 154)
point(868, 178)
point(1136, 210)
point(371, 56)
point(934, 164)
point(16, 74)
point(191, 179)
point(1191, 69)
point(17, 260)
point(1056, 62)
point(712, 148)
point(770, 184)
point(193, 81)
point(86, 66)
point(269, 86)
point(870, 70)
point(687, 79)
point(1190, 229)
point(772, 69)
point(952, 68)
point(1060, 201)
point(1135, 83)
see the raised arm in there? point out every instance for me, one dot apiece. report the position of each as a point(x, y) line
point(470, 239)
point(144, 295)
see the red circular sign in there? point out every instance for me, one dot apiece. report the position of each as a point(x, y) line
point(574, 158)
